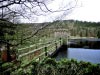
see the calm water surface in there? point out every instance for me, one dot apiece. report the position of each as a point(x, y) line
point(88, 55)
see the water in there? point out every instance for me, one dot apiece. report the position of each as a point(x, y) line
point(82, 49)
point(89, 55)
point(90, 43)
point(80, 54)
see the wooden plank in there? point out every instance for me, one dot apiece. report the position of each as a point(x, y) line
point(32, 51)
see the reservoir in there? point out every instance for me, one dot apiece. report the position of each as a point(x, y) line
point(88, 52)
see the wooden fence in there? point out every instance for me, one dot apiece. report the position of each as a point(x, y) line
point(33, 52)
point(38, 51)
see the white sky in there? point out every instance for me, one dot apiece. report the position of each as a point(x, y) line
point(90, 11)
point(86, 10)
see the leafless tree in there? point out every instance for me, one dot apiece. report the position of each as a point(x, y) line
point(9, 9)
point(26, 8)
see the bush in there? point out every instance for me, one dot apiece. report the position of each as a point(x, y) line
point(50, 66)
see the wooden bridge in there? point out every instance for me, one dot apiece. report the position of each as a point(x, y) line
point(38, 51)
point(34, 52)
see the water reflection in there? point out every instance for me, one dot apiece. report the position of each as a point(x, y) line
point(84, 43)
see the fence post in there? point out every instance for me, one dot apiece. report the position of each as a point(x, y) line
point(45, 51)
point(60, 41)
point(1, 68)
point(56, 44)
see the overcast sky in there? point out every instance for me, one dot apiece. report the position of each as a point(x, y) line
point(86, 10)
point(90, 11)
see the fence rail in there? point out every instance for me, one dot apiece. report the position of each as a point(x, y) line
point(40, 51)
point(34, 52)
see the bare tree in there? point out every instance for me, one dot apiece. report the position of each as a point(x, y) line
point(14, 8)
point(28, 8)
point(9, 9)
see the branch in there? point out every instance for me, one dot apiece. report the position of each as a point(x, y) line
point(45, 7)
point(18, 12)
point(3, 6)
point(36, 32)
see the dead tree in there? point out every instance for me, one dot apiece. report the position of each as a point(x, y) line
point(24, 8)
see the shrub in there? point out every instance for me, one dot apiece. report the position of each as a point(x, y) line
point(50, 66)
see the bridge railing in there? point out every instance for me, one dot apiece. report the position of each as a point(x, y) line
point(32, 47)
point(27, 57)
point(27, 54)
